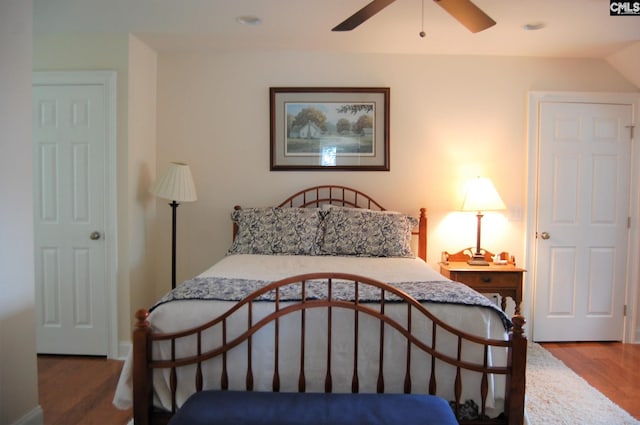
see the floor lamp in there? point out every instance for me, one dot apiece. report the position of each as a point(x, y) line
point(481, 196)
point(175, 184)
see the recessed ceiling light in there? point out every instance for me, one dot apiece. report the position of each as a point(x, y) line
point(248, 20)
point(534, 26)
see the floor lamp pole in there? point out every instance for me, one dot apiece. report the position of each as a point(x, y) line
point(174, 206)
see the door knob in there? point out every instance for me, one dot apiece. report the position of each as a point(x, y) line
point(94, 236)
point(545, 235)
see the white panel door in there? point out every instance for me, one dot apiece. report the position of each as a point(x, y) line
point(582, 230)
point(69, 156)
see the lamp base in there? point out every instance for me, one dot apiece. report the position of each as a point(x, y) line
point(478, 260)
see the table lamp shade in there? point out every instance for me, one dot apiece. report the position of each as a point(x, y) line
point(482, 196)
point(176, 184)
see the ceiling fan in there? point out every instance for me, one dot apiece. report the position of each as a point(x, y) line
point(467, 13)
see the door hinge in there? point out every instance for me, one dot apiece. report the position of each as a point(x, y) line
point(624, 311)
point(630, 127)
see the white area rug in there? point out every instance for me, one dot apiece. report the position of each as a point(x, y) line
point(556, 395)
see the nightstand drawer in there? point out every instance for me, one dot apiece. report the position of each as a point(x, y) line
point(479, 280)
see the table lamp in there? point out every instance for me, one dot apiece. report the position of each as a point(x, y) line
point(481, 196)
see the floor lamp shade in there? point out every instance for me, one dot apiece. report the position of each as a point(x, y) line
point(481, 196)
point(175, 184)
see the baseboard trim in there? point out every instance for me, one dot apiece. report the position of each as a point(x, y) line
point(34, 417)
point(124, 347)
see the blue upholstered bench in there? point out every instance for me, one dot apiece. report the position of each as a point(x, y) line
point(267, 408)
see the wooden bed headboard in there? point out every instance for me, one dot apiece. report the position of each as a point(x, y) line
point(317, 196)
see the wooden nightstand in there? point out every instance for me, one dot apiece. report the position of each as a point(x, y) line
point(505, 280)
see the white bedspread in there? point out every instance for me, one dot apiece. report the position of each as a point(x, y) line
point(179, 315)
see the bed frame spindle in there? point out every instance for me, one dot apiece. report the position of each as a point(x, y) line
point(380, 385)
point(302, 381)
point(407, 373)
point(224, 378)
point(199, 365)
point(328, 382)
point(433, 385)
point(355, 384)
point(484, 384)
point(249, 385)
point(458, 382)
point(276, 370)
point(173, 379)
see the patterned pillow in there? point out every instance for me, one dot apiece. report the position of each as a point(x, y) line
point(367, 233)
point(276, 231)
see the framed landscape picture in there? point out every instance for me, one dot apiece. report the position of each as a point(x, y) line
point(325, 128)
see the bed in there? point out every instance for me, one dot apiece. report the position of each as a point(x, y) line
point(323, 294)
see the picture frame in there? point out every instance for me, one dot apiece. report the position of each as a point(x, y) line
point(329, 128)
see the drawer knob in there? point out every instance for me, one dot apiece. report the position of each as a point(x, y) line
point(486, 279)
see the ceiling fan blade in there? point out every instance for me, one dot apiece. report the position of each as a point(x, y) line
point(467, 13)
point(362, 15)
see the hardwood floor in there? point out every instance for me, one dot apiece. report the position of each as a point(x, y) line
point(610, 367)
point(79, 390)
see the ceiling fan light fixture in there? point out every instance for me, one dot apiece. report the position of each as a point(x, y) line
point(534, 26)
point(248, 20)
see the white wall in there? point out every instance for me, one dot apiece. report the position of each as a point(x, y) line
point(18, 368)
point(141, 173)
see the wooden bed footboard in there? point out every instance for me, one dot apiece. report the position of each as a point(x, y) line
point(407, 327)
